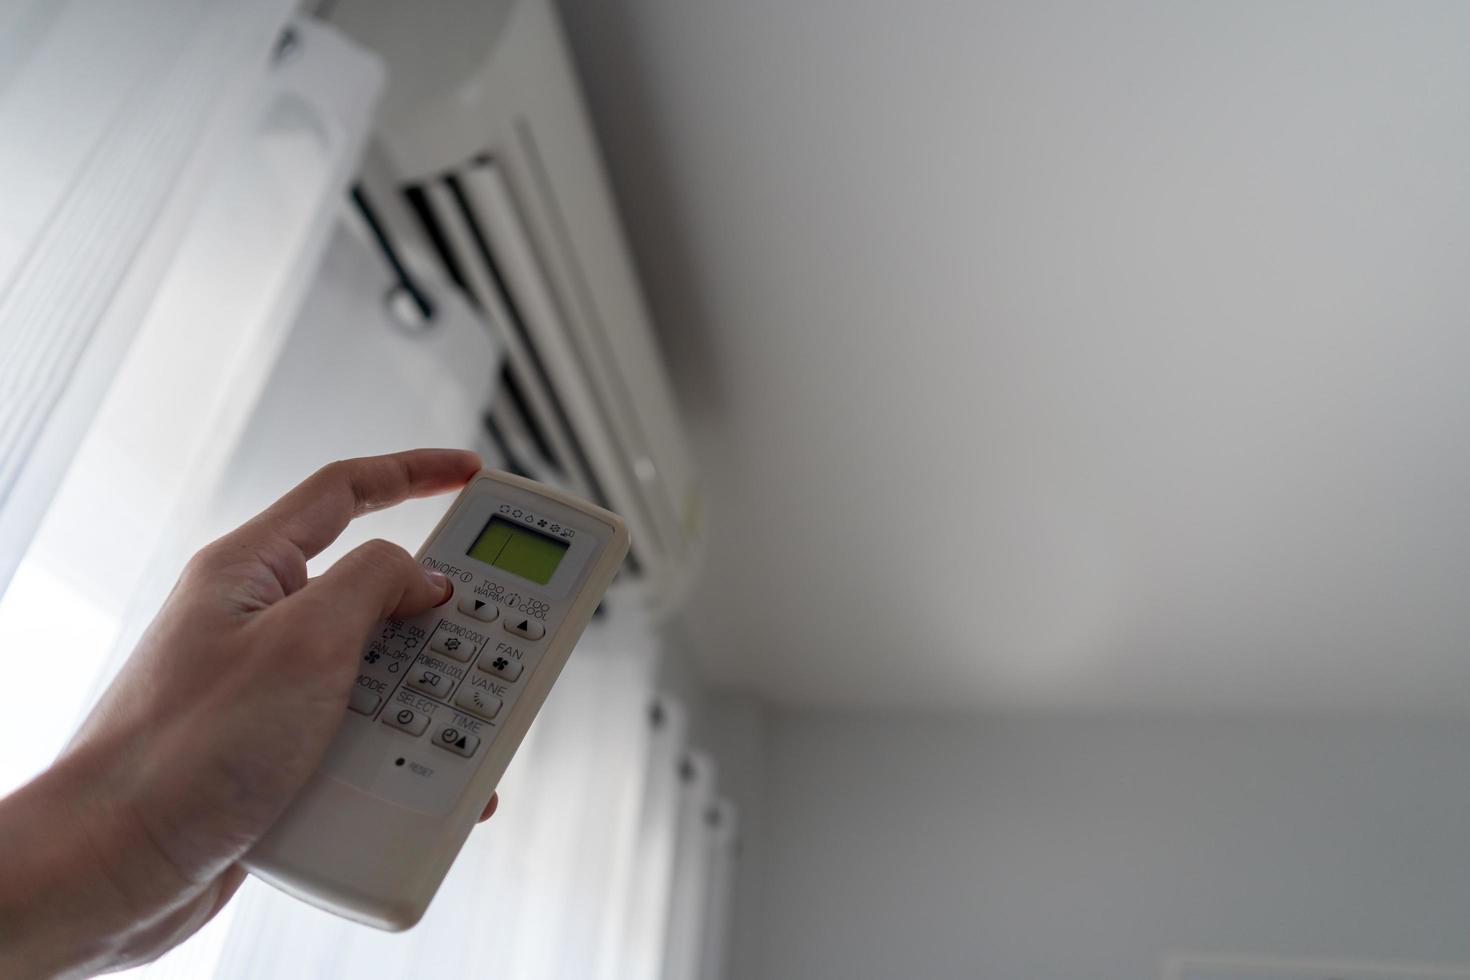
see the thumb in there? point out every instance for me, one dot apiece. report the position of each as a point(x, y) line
point(370, 583)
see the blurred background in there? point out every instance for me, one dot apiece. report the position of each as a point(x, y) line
point(1042, 428)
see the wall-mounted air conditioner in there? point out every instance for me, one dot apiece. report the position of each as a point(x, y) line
point(489, 172)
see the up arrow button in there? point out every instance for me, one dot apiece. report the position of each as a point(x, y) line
point(485, 612)
point(528, 628)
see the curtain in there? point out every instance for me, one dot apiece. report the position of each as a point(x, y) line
point(533, 891)
point(112, 116)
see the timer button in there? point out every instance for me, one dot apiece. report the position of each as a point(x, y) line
point(456, 741)
point(528, 628)
point(481, 609)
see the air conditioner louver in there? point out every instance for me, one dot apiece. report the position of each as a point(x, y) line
point(551, 419)
point(496, 179)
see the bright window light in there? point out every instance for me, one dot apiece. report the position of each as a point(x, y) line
point(46, 619)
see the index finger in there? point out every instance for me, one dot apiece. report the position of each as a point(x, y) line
point(312, 515)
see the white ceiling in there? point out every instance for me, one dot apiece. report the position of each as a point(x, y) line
point(1062, 355)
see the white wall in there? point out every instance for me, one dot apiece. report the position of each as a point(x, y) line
point(1164, 302)
point(1084, 849)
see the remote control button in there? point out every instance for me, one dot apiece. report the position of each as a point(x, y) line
point(501, 666)
point(430, 681)
point(482, 609)
point(406, 719)
point(456, 741)
point(453, 647)
point(478, 702)
point(363, 701)
point(529, 628)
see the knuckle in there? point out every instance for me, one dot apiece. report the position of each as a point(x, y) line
point(352, 475)
point(384, 554)
point(209, 559)
point(201, 562)
point(375, 549)
point(337, 471)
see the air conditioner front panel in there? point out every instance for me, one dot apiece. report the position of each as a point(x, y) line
point(503, 169)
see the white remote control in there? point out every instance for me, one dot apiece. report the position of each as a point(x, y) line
point(442, 702)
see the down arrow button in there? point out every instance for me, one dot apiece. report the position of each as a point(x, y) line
point(485, 612)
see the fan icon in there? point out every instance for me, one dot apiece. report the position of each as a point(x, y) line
point(452, 643)
point(372, 656)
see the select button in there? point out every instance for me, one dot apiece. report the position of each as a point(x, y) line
point(406, 719)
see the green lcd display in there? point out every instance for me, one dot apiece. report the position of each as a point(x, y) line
point(519, 550)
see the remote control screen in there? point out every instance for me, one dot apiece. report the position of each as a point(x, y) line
point(518, 550)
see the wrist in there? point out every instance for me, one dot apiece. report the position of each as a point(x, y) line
point(80, 873)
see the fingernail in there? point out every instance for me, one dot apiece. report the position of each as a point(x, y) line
point(436, 579)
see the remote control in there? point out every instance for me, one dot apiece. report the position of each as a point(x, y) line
point(442, 701)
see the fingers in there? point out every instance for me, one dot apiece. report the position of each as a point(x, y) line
point(370, 583)
point(225, 887)
point(490, 807)
point(312, 515)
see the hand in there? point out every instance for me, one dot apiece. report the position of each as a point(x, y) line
point(130, 842)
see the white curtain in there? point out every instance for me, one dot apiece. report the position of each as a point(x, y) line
point(533, 890)
point(112, 115)
point(193, 226)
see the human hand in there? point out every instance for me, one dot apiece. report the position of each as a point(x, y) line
point(130, 842)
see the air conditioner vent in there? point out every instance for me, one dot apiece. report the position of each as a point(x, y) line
point(498, 183)
point(530, 422)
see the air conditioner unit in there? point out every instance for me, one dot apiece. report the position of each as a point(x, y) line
point(487, 170)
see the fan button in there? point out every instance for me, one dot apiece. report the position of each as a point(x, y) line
point(501, 666)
